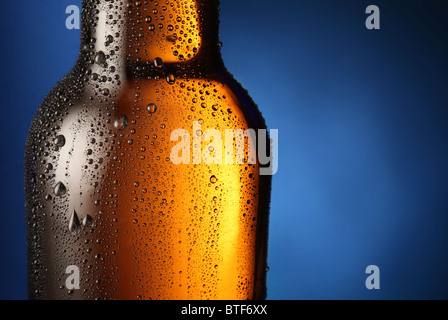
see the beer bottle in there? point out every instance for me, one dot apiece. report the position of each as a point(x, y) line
point(130, 191)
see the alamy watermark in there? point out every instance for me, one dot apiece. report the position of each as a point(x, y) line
point(73, 279)
point(238, 146)
point(73, 20)
point(373, 280)
point(373, 20)
point(74, 17)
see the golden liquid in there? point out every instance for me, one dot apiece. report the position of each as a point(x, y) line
point(191, 225)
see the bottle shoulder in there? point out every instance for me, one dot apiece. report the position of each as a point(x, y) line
point(217, 97)
point(241, 94)
point(64, 94)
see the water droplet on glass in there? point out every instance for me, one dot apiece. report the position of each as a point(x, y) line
point(151, 108)
point(73, 224)
point(87, 222)
point(170, 78)
point(100, 58)
point(60, 189)
point(213, 179)
point(158, 62)
point(110, 39)
point(121, 122)
point(59, 141)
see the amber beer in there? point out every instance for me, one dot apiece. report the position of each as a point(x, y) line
point(109, 214)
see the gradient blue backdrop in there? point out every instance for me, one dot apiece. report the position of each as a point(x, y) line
point(363, 133)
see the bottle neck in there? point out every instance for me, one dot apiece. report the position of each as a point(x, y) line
point(115, 33)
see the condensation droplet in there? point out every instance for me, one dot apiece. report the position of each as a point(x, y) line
point(121, 122)
point(213, 179)
point(59, 141)
point(158, 62)
point(100, 58)
point(60, 189)
point(170, 78)
point(151, 108)
point(87, 221)
point(73, 224)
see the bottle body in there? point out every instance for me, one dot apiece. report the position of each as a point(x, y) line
point(124, 199)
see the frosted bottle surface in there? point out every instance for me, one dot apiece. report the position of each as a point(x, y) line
point(110, 215)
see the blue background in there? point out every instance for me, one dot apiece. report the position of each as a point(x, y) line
point(363, 136)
